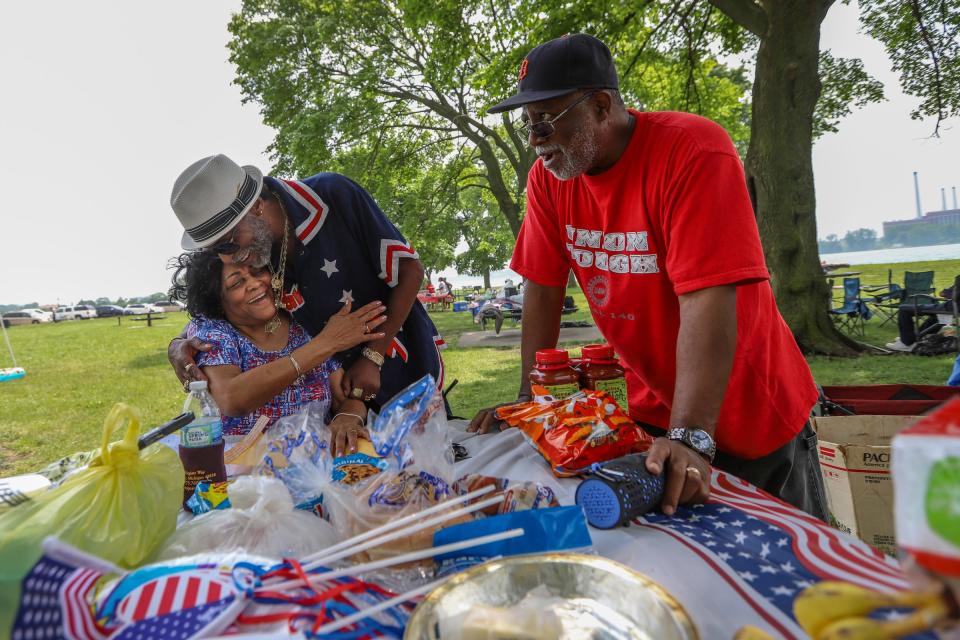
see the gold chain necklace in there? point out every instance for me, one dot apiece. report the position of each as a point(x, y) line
point(276, 277)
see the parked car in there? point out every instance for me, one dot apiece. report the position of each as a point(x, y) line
point(109, 310)
point(169, 306)
point(76, 312)
point(24, 316)
point(138, 308)
point(46, 314)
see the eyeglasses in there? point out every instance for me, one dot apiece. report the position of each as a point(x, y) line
point(546, 128)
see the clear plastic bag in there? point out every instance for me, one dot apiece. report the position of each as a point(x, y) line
point(262, 521)
point(297, 453)
point(411, 433)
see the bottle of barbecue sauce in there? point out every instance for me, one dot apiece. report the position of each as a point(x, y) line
point(553, 372)
point(600, 369)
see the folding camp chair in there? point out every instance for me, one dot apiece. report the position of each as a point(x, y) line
point(917, 289)
point(854, 312)
point(881, 297)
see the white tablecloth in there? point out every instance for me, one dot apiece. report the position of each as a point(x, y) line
point(738, 560)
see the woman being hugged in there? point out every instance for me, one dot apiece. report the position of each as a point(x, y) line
point(261, 361)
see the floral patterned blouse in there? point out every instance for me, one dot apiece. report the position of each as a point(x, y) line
point(232, 347)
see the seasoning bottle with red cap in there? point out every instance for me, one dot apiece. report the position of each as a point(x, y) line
point(600, 369)
point(553, 371)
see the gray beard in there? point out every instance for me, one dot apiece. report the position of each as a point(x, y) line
point(257, 253)
point(576, 157)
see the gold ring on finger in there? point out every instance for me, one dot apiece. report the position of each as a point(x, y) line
point(366, 329)
point(695, 471)
point(369, 397)
point(356, 393)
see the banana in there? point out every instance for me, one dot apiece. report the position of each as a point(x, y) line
point(867, 629)
point(820, 605)
point(749, 632)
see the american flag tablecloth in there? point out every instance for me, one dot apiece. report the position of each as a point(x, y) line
point(739, 559)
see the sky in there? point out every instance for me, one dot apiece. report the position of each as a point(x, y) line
point(106, 102)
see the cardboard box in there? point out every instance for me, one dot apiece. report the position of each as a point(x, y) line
point(854, 454)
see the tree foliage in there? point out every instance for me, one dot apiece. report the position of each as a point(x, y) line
point(395, 91)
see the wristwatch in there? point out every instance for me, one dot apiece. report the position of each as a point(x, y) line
point(695, 438)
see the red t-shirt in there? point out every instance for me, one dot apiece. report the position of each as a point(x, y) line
point(672, 216)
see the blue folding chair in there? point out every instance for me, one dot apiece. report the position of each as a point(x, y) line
point(854, 313)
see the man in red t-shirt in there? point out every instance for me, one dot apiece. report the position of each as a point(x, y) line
point(651, 212)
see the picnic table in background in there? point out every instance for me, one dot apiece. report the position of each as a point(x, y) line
point(434, 301)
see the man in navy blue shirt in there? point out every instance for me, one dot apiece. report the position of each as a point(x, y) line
point(327, 243)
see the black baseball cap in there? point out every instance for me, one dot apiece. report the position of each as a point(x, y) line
point(561, 66)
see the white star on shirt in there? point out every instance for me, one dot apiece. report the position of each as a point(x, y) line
point(782, 591)
point(768, 568)
point(723, 555)
point(746, 575)
point(329, 267)
point(757, 532)
point(764, 550)
point(737, 523)
point(347, 296)
point(788, 567)
point(782, 542)
point(741, 537)
point(719, 524)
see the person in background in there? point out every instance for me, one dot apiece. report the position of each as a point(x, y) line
point(326, 244)
point(652, 214)
point(906, 315)
point(261, 361)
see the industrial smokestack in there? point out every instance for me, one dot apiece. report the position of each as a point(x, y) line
point(943, 196)
point(954, 189)
point(916, 190)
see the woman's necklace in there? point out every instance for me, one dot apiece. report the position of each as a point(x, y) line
point(272, 324)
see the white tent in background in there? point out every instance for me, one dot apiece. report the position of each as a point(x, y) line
point(10, 373)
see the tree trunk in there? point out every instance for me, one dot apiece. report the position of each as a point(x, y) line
point(779, 170)
point(486, 279)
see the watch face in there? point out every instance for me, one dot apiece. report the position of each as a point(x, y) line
point(700, 440)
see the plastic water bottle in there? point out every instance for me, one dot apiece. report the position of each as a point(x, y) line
point(201, 441)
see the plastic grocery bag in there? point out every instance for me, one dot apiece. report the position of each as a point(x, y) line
point(120, 508)
point(262, 520)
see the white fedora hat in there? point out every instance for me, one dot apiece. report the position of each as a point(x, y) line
point(211, 196)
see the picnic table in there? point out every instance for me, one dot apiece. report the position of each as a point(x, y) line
point(433, 300)
point(740, 559)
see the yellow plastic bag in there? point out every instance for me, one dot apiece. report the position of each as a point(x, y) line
point(121, 507)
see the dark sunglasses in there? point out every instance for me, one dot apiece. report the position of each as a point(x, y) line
point(228, 247)
point(546, 128)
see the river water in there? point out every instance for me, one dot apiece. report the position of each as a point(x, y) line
point(902, 254)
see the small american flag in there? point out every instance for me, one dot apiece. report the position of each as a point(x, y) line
point(69, 594)
point(768, 552)
point(56, 602)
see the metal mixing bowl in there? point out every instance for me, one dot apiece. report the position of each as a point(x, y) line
point(590, 596)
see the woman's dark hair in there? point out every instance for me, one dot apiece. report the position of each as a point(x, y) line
point(196, 283)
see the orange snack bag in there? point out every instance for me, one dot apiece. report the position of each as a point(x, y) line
point(576, 432)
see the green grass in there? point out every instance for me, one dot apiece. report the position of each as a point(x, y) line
point(76, 371)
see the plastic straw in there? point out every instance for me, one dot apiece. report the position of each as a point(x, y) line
point(397, 523)
point(327, 558)
point(377, 608)
point(401, 559)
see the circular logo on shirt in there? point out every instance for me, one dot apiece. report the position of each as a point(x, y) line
point(598, 291)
